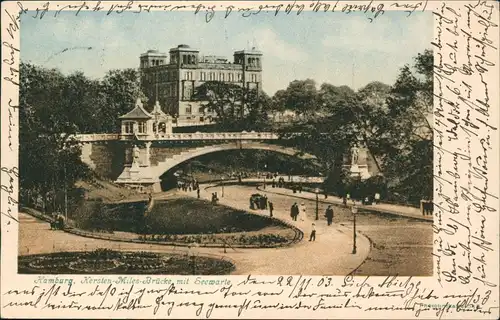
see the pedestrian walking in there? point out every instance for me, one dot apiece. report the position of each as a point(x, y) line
point(329, 215)
point(252, 203)
point(271, 208)
point(265, 201)
point(313, 233)
point(198, 193)
point(303, 209)
point(294, 211)
point(377, 198)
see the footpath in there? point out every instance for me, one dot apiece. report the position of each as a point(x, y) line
point(405, 211)
point(330, 254)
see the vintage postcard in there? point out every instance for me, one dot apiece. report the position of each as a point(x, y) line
point(216, 159)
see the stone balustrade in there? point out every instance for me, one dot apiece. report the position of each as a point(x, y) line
point(97, 137)
point(181, 136)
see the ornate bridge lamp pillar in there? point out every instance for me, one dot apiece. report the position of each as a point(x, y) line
point(147, 160)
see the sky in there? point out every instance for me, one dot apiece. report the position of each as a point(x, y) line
point(319, 46)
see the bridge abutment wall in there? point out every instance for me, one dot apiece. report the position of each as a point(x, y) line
point(107, 159)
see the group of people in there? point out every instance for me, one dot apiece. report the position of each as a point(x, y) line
point(375, 199)
point(258, 202)
point(215, 198)
point(188, 185)
point(261, 203)
point(279, 184)
point(296, 210)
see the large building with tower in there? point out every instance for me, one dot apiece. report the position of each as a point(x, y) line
point(171, 79)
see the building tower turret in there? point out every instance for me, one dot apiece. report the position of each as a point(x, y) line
point(152, 58)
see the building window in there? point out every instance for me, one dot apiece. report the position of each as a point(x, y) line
point(203, 76)
point(254, 78)
point(221, 77)
point(188, 110)
point(231, 77)
point(188, 90)
point(141, 128)
point(129, 127)
point(211, 76)
point(240, 77)
point(188, 75)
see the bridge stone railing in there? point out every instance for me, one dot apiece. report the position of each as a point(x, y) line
point(181, 136)
point(97, 137)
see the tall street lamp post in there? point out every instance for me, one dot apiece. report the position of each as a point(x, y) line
point(354, 211)
point(265, 173)
point(192, 255)
point(317, 192)
point(65, 196)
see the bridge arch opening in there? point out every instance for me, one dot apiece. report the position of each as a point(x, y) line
point(213, 165)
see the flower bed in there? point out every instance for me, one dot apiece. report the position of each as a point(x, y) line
point(237, 240)
point(105, 261)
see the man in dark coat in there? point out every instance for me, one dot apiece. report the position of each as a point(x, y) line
point(271, 208)
point(294, 211)
point(329, 215)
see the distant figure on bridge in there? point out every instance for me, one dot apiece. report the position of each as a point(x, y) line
point(329, 215)
point(294, 211)
point(198, 193)
point(271, 208)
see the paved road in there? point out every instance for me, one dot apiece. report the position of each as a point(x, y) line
point(330, 254)
point(401, 243)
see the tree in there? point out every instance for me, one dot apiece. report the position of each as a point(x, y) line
point(121, 88)
point(49, 160)
point(409, 152)
point(301, 97)
point(237, 108)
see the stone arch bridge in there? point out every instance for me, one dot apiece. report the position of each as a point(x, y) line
point(139, 161)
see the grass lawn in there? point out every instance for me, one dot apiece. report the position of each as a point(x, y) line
point(193, 216)
point(176, 216)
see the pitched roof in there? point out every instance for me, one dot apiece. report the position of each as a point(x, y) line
point(138, 112)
